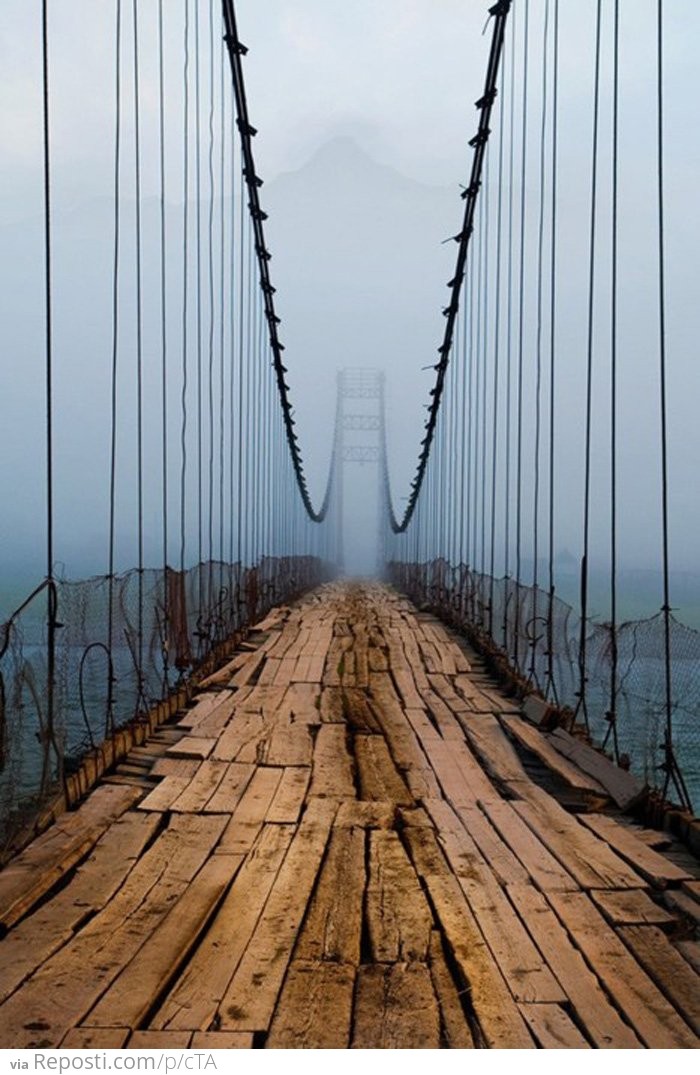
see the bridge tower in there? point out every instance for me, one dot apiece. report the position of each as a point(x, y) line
point(360, 407)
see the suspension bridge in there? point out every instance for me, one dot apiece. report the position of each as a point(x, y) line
point(248, 802)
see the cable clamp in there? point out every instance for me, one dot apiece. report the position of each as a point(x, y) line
point(252, 178)
point(480, 138)
point(246, 128)
point(501, 8)
point(488, 98)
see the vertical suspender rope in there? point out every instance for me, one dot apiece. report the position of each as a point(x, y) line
point(612, 702)
point(551, 686)
point(115, 353)
point(185, 295)
point(163, 342)
point(672, 773)
point(51, 622)
point(582, 706)
point(141, 701)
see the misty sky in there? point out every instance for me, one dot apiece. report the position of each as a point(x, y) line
point(364, 111)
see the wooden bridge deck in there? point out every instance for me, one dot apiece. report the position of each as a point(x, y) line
point(351, 839)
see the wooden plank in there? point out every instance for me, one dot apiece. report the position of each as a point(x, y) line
point(96, 1037)
point(130, 997)
point(252, 993)
point(256, 799)
point(288, 800)
point(315, 1007)
point(37, 937)
point(331, 705)
point(539, 745)
point(658, 1024)
point(247, 730)
point(544, 869)
point(455, 1032)
point(656, 868)
point(191, 746)
point(690, 950)
point(505, 865)
point(164, 794)
point(221, 1039)
point(365, 815)
point(631, 907)
point(159, 1039)
point(60, 994)
point(590, 861)
point(398, 917)
point(332, 771)
point(49, 858)
point(195, 998)
point(622, 787)
point(602, 1022)
point(395, 1008)
point(231, 787)
point(204, 704)
point(669, 970)
point(462, 779)
point(290, 743)
point(522, 966)
point(552, 1027)
point(174, 767)
point(493, 748)
point(332, 928)
point(201, 787)
point(501, 1024)
point(684, 904)
point(449, 726)
point(379, 778)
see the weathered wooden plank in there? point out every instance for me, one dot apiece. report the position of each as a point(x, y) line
point(110, 940)
point(656, 868)
point(130, 997)
point(50, 857)
point(544, 869)
point(462, 779)
point(95, 1037)
point(331, 705)
point(159, 1039)
point(195, 998)
point(602, 1022)
point(289, 797)
point(221, 1039)
point(589, 860)
point(501, 1024)
point(164, 794)
point(314, 1009)
point(455, 1032)
point(540, 745)
point(191, 746)
point(657, 1023)
point(365, 815)
point(395, 1008)
point(631, 907)
point(38, 936)
point(447, 722)
point(624, 788)
point(379, 778)
point(522, 966)
point(679, 983)
point(398, 917)
point(505, 865)
point(247, 820)
point(175, 767)
point(552, 1027)
point(201, 788)
point(252, 993)
point(332, 770)
point(333, 925)
point(230, 789)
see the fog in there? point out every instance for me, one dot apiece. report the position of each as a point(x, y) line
point(364, 111)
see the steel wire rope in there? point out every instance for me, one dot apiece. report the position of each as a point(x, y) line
point(185, 289)
point(672, 773)
point(581, 704)
point(114, 364)
point(165, 655)
point(551, 684)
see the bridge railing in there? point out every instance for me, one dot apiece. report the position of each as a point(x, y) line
point(164, 625)
point(538, 639)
